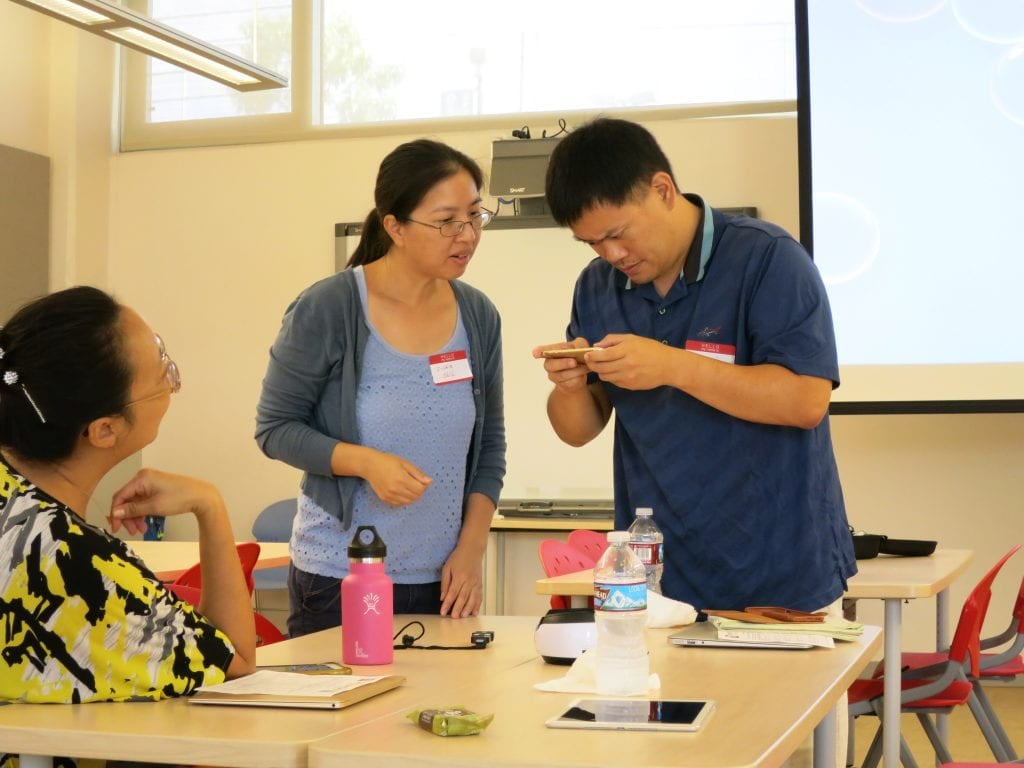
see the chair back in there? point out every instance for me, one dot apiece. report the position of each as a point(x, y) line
point(1018, 609)
point(966, 645)
point(558, 558)
point(591, 543)
point(266, 632)
point(248, 555)
point(274, 523)
point(185, 592)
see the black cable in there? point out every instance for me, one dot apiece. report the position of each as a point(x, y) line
point(480, 640)
point(408, 640)
point(505, 201)
point(561, 129)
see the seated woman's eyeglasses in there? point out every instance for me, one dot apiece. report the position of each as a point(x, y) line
point(454, 228)
point(171, 374)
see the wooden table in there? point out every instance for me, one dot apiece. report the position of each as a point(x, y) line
point(892, 579)
point(175, 731)
point(766, 705)
point(767, 702)
point(169, 559)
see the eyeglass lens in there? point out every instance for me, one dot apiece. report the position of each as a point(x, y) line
point(454, 228)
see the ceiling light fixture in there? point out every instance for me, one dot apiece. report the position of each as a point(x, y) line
point(151, 37)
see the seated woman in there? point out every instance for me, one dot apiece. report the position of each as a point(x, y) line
point(84, 383)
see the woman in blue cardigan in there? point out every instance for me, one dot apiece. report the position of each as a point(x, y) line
point(385, 387)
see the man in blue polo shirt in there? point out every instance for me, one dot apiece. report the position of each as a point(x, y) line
point(718, 358)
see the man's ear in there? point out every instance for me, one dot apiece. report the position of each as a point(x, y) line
point(104, 431)
point(665, 188)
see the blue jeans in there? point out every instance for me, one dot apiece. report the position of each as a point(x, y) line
point(315, 601)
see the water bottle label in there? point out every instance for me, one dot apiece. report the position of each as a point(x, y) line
point(621, 597)
point(648, 552)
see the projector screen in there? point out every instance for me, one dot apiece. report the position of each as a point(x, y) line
point(911, 130)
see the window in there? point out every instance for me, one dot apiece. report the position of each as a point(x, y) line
point(367, 64)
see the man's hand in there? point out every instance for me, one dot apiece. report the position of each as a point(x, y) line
point(633, 362)
point(566, 373)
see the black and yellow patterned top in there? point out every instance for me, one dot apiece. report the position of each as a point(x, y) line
point(82, 619)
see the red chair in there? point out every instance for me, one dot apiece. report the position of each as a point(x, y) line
point(266, 632)
point(248, 554)
point(591, 543)
point(1004, 665)
point(558, 558)
point(938, 688)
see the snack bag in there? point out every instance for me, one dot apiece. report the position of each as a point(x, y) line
point(450, 721)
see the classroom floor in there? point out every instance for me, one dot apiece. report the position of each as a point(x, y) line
point(965, 740)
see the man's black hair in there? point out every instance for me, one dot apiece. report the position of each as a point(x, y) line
point(602, 162)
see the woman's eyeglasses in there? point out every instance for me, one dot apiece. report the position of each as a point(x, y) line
point(454, 228)
point(171, 373)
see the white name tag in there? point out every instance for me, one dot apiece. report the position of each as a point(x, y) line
point(449, 367)
point(724, 352)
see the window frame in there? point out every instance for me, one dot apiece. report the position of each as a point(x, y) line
point(298, 124)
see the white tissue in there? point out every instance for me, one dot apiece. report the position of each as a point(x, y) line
point(661, 612)
point(580, 678)
point(665, 612)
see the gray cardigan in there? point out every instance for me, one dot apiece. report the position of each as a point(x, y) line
point(308, 401)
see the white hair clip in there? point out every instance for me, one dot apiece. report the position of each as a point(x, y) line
point(10, 379)
point(32, 402)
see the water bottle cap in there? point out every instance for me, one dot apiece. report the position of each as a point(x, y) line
point(618, 537)
point(644, 512)
point(366, 543)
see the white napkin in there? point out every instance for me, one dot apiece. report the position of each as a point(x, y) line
point(580, 678)
point(665, 612)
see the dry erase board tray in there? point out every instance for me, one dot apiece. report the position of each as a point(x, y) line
point(539, 509)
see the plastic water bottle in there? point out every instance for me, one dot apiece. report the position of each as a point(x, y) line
point(367, 602)
point(620, 611)
point(646, 539)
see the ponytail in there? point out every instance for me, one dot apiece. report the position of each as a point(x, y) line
point(374, 242)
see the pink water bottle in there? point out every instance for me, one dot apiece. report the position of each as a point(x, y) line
point(367, 607)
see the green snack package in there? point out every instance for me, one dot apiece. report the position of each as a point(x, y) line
point(450, 721)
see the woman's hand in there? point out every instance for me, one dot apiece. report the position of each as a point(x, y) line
point(462, 580)
point(396, 481)
point(160, 494)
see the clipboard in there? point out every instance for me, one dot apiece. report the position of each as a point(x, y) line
point(340, 700)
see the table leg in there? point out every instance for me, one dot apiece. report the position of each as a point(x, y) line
point(942, 644)
point(891, 705)
point(825, 741)
point(499, 570)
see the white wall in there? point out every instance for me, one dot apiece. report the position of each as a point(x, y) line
point(211, 244)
